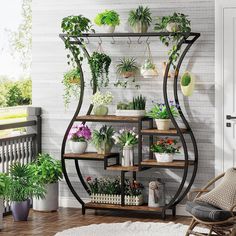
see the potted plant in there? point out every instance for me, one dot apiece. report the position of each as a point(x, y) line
point(127, 139)
point(103, 140)
point(3, 186)
point(140, 19)
point(127, 67)
point(109, 19)
point(187, 83)
point(99, 65)
point(100, 102)
point(134, 108)
point(71, 84)
point(78, 137)
point(48, 172)
point(149, 69)
point(165, 149)
point(108, 191)
point(161, 116)
point(21, 187)
point(175, 23)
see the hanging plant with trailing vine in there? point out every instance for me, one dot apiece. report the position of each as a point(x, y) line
point(99, 64)
point(177, 23)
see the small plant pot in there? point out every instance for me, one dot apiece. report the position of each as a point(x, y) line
point(188, 90)
point(164, 157)
point(1, 212)
point(138, 113)
point(172, 27)
point(128, 74)
point(78, 147)
point(163, 124)
point(109, 29)
point(104, 149)
point(140, 27)
point(150, 73)
point(100, 110)
point(50, 202)
point(20, 210)
point(128, 156)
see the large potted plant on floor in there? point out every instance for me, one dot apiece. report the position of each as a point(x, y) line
point(21, 187)
point(48, 172)
point(140, 19)
point(109, 19)
point(159, 113)
point(3, 186)
point(164, 149)
point(103, 139)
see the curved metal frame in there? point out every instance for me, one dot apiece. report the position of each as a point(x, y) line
point(180, 194)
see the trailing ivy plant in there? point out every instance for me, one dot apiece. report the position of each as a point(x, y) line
point(177, 23)
point(99, 64)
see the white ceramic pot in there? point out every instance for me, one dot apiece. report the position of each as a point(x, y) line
point(188, 90)
point(128, 156)
point(109, 29)
point(172, 27)
point(139, 27)
point(149, 73)
point(164, 157)
point(78, 147)
point(1, 212)
point(50, 202)
point(163, 124)
point(138, 113)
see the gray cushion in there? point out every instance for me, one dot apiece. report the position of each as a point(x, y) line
point(206, 212)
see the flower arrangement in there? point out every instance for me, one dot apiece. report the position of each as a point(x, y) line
point(102, 98)
point(126, 137)
point(166, 145)
point(80, 133)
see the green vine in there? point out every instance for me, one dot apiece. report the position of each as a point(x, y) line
point(99, 65)
point(177, 24)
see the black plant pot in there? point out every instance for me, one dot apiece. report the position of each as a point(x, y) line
point(20, 210)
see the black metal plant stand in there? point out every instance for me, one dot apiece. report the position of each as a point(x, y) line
point(189, 167)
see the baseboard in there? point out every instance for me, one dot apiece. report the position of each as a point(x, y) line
point(71, 202)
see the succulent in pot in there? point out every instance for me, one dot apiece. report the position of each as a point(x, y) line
point(161, 115)
point(164, 149)
point(78, 137)
point(140, 19)
point(149, 69)
point(127, 67)
point(48, 172)
point(109, 19)
point(23, 185)
point(100, 102)
point(127, 139)
point(71, 82)
point(187, 83)
point(103, 139)
point(134, 108)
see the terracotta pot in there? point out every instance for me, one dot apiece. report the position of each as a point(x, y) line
point(78, 147)
point(164, 157)
point(128, 74)
point(140, 27)
point(20, 210)
point(100, 110)
point(163, 124)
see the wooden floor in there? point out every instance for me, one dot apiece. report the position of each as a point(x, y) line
point(47, 224)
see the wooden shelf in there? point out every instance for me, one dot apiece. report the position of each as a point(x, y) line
point(123, 168)
point(99, 206)
point(174, 164)
point(111, 118)
point(89, 156)
point(162, 132)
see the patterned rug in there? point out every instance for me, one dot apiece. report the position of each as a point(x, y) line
point(128, 229)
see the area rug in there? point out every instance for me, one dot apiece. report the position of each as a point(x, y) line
point(128, 229)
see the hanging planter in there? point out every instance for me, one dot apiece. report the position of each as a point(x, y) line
point(187, 83)
point(127, 67)
point(149, 69)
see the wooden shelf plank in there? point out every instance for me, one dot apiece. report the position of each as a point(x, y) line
point(174, 164)
point(123, 168)
point(100, 206)
point(110, 118)
point(89, 156)
point(162, 132)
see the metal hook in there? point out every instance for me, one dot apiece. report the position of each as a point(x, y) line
point(87, 40)
point(139, 42)
point(129, 42)
point(100, 41)
point(148, 42)
point(113, 41)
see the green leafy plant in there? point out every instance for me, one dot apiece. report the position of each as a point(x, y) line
point(71, 84)
point(46, 169)
point(166, 145)
point(75, 26)
point(103, 136)
point(159, 111)
point(3, 184)
point(186, 79)
point(181, 24)
point(108, 17)
point(141, 14)
point(127, 65)
point(138, 103)
point(99, 65)
point(148, 65)
point(126, 137)
point(23, 184)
